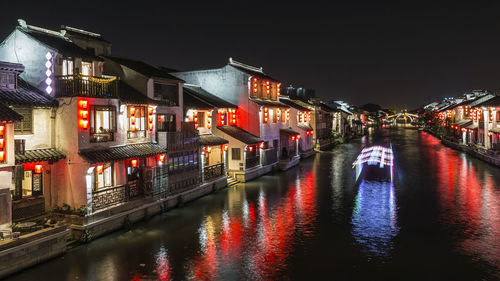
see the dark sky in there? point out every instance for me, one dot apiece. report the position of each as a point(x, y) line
point(397, 56)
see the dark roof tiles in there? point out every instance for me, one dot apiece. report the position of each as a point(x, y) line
point(240, 134)
point(8, 115)
point(36, 155)
point(25, 94)
point(122, 152)
point(210, 139)
point(143, 68)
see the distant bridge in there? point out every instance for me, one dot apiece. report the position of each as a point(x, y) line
point(402, 115)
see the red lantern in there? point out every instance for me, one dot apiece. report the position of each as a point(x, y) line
point(133, 163)
point(2, 129)
point(38, 169)
point(261, 145)
point(208, 149)
point(250, 148)
point(226, 147)
point(161, 157)
point(2, 156)
point(99, 169)
point(298, 136)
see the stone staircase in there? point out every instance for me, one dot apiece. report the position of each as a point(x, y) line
point(232, 181)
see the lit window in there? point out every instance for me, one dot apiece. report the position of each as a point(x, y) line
point(67, 68)
point(103, 176)
point(102, 123)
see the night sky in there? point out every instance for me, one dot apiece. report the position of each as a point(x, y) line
point(396, 56)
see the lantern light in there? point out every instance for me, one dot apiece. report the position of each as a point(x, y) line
point(298, 136)
point(133, 163)
point(161, 157)
point(2, 156)
point(2, 129)
point(38, 169)
point(226, 147)
point(261, 145)
point(99, 169)
point(208, 149)
point(250, 148)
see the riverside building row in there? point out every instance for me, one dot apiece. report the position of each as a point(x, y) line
point(470, 122)
point(96, 139)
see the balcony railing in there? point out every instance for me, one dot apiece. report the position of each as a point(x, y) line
point(213, 171)
point(252, 162)
point(86, 86)
point(269, 156)
point(109, 196)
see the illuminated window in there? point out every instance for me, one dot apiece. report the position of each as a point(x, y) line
point(67, 67)
point(28, 182)
point(102, 123)
point(201, 119)
point(103, 176)
point(87, 69)
point(24, 126)
point(137, 126)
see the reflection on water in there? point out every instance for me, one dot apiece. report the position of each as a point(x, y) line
point(374, 217)
point(254, 235)
point(470, 202)
point(439, 220)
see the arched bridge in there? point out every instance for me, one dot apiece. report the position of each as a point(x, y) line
point(401, 115)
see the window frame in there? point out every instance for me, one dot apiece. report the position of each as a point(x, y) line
point(94, 135)
point(25, 112)
point(238, 153)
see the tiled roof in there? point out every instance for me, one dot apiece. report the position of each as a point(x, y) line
point(60, 43)
point(481, 100)
point(122, 152)
point(289, 132)
point(495, 130)
point(210, 98)
point(240, 134)
point(212, 140)
point(463, 123)
point(192, 102)
point(270, 103)
point(71, 31)
point(293, 104)
point(305, 128)
point(142, 68)
point(127, 94)
point(472, 126)
point(253, 71)
point(36, 155)
point(25, 94)
point(10, 66)
point(493, 102)
point(8, 115)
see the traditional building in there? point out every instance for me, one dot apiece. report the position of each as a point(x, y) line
point(300, 118)
point(37, 165)
point(208, 111)
point(253, 130)
point(7, 163)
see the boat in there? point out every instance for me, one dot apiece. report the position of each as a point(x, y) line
point(375, 163)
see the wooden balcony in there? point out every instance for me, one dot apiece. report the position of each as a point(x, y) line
point(85, 86)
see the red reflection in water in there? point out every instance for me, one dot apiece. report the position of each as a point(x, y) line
point(470, 201)
point(264, 242)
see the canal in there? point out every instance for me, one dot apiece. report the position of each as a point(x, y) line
point(439, 219)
